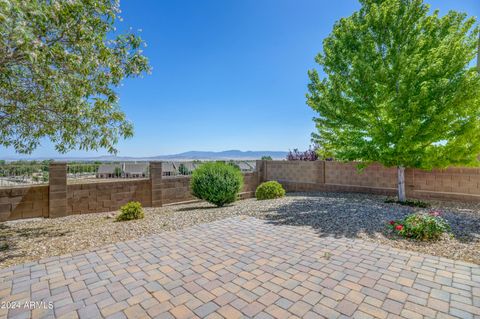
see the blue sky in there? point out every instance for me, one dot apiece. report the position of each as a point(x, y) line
point(227, 74)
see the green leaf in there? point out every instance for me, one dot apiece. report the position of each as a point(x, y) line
point(58, 74)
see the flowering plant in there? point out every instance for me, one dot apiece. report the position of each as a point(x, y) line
point(309, 155)
point(421, 226)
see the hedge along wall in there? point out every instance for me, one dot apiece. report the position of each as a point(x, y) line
point(444, 184)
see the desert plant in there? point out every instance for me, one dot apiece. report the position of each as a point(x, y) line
point(216, 182)
point(421, 226)
point(130, 211)
point(269, 190)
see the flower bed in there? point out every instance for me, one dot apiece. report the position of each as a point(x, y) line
point(421, 226)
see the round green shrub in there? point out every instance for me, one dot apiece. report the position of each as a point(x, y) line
point(269, 190)
point(130, 211)
point(216, 182)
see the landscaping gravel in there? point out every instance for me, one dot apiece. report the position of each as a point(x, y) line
point(330, 214)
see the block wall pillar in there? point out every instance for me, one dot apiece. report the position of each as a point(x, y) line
point(156, 183)
point(57, 190)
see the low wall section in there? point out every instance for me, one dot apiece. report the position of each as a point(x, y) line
point(62, 199)
point(177, 189)
point(445, 184)
point(106, 196)
point(23, 202)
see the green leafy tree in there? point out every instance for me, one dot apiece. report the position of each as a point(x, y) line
point(399, 87)
point(183, 170)
point(266, 158)
point(117, 172)
point(60, 64)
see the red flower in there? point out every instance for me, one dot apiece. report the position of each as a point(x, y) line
point(392, 222)
point(399, 227)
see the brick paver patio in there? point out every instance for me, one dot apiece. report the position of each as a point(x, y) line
point(242, 267)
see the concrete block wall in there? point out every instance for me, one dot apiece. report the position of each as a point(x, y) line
point(57, 194)
point(154, 192)
point(61, 199)
point(106, 196)
point(177, 189)
point(443, 184)
point(452, 183)
point(23, 202)
point(250, 183)
point(329, 176)
point(295, 171)
point(373, 176)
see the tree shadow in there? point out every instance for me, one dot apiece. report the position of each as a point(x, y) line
point(9, 234)
point(31, 232)
point(192, 208)
point(359, 215)
point(465, 226)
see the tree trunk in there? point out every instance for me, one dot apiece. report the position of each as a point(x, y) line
point(401, 183)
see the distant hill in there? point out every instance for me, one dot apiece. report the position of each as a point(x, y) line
point(224, 155)
point(190, 155)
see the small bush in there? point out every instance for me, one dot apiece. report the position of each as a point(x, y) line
point(130, 211)
point(269, 190)
point(411, 203)
point(418, 226)
point(216, 182)
point(4, 246)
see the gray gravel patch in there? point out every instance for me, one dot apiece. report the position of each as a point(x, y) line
point(329, 214)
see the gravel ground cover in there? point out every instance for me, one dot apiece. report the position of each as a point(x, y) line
point(330, 214)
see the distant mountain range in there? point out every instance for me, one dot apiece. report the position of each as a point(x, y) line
point(231, 154)
point(190, 155)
